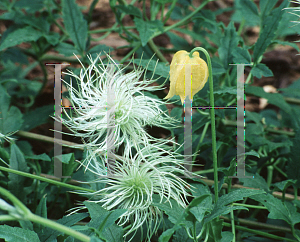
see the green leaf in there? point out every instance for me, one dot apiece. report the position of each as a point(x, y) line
point(10, 118)
point(67, 49)
point(41, 211)
point(36, 117)
point(266, 7)
point(174, 213)
point(295, 46)
point(75, 24)
point(237, 195)
point(181, 236)
point(43, 157)
point(17, 162)
point(14, 55)
point(241, 56)
point(261, 70)
point(99, 50)
point(50, 235)
point(113, 233)
point(227, 44)
point(267, 34)
point(249, 12)
point(29, 5)
point(215, 230)
point(19, 36)
point(227, 236)
point(166, 235)
point(256, 182)
point(200, 210)
point(130, 9)
point(273, 98)
point(147, 29)
point(230, 90)
point(282, 186)
point(278, 210)
point(101, 218)
point(13, 234)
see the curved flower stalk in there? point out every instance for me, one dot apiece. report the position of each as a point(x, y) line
point(105, 90)
point(134, 182)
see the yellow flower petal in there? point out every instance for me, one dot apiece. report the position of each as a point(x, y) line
point(199, 72)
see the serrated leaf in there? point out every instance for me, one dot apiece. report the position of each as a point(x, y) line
point(256, 182)
point(268, 29)
point(75, 24)
point(227, 44)
point(266, 7)
point(261, 70)
point(250, 11)
point(279, 210)
point(19, 36)
point(236, 195)
point(43, 157)
point(241, 56)
point(147, 29)
point(101, 218)
point(273, 98)
point(13, 234)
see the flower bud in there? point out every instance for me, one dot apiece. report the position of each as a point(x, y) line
point(199, 73)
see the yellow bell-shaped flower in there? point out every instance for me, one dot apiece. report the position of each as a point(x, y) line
point(199, 74)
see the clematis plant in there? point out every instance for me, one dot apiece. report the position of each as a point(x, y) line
point(148, 166)
point(131, 109)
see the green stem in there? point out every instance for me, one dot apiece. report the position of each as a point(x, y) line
point(232, 225)
point(112, 29)
point(253, 231)
point(182, 21)
point(130, 53)
point(270, 175)
point(7, 218)
point(17, 203)
point(170, 11)
point(249, 206)
point(59, 227)
point(212, 117)
point(157, 51)
point(57, 183)
point(241, 26)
